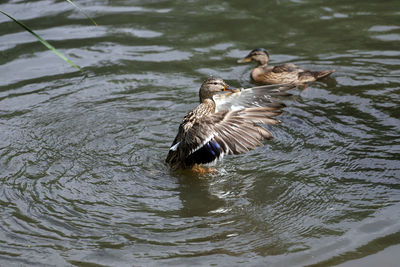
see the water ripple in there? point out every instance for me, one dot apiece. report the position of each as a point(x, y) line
point(82, 159)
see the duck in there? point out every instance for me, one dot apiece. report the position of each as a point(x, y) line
point(206, 135)
point(283, 73)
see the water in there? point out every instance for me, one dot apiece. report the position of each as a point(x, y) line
point(83, 179)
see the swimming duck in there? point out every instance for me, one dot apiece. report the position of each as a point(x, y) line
point(284, 73)
point(205, 136)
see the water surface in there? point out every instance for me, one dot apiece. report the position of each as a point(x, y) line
point(83, 179)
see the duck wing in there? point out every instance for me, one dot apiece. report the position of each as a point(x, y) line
point(223, 133)
point(253, 97)
point(286, 67)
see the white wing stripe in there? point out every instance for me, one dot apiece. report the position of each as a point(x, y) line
point(175, 147)
point(202, 144)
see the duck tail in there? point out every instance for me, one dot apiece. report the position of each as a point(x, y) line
point(172, 159)
point(322, 74)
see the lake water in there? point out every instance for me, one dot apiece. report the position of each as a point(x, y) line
point(82, 173)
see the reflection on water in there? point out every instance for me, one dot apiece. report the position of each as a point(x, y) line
point(82, 158)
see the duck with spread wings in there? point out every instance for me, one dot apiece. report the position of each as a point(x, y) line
point(205, 136)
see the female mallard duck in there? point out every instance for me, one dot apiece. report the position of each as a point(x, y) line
point(205, 136)
point(284, 73)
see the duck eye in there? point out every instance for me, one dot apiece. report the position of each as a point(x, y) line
point(215, 83)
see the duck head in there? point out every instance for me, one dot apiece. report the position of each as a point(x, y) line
point(258, 55)
point(212, 86)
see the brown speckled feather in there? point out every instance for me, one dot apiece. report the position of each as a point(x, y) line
point(287, 67)
point(235, 131)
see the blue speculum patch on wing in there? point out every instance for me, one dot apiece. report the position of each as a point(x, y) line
point(208, 153)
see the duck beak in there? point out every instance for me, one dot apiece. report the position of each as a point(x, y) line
point(244, 60)
point(230, 88)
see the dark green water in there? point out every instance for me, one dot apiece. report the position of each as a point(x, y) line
point(82, 173)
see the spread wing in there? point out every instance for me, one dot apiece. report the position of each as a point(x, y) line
point(252, 97)
point(222, 133)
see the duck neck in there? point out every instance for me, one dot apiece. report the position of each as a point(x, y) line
point(262, 63)
point(209, 102)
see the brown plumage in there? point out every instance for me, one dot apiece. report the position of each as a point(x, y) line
point(205, 136)
point(284, 73)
